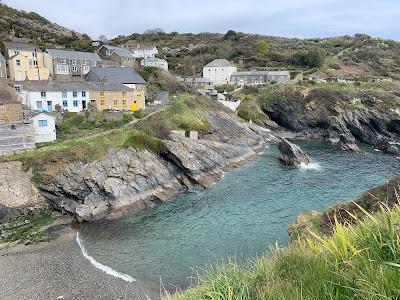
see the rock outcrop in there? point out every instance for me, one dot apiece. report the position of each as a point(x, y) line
point(344, 126)
point(292, 155)
point(132, 180)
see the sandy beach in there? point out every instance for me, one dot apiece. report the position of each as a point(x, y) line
point(58, 270)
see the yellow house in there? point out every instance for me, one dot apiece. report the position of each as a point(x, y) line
point(115, 96)
point(25, 62)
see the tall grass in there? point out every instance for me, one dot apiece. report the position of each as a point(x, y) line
point(360, 260)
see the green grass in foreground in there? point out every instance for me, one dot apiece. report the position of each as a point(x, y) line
point(26, 229)
point(360, 261)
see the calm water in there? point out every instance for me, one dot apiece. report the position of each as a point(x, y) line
point(242, 215)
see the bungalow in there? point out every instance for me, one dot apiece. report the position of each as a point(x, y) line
point(3, 67)
point(144, 52)
point(25, 62)
point(44, 128)
point(71, 63)
point(254, 78)
point(46, 96)
point(114, 96)
point(16, 133)
point(219, 71)
point(155, 63)
point(118, 54)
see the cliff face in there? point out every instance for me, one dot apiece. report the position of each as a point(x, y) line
point(131, 180)
point(344, 126)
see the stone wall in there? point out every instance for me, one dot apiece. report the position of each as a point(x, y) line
point(16, 188)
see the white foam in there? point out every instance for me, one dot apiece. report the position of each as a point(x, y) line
point(394, 143)
point(377, 150)
point(98, 265)
point(311, 166)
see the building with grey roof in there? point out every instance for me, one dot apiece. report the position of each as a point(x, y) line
point(155, 63)
point(253, 78)
point(3, 67)
point(219, 71)
point(121, 75)
point(123, 56)
point(19, 46)
point(71, 63)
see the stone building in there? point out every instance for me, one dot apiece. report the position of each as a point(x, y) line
point(254, 78)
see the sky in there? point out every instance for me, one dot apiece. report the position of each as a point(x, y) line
point(288, 18)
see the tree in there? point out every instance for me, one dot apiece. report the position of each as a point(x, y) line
point(262, 48)
point(315, 58)
point(103, 39)
point(231, 35)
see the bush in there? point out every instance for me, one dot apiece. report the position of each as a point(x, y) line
point(140, 141)
point(249, 110)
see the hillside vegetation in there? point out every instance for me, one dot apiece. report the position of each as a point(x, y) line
point(360, 260)
point(33, 27)
point(347, 56)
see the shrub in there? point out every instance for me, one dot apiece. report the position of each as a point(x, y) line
point(140, 141)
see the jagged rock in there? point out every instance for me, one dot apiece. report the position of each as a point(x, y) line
point(348, 144)
point(7, 213)
point(292, 155)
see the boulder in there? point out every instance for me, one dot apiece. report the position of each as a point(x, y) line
point(7, 213)
point(292, 155)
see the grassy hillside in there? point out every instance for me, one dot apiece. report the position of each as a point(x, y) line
point(360, 260)
point(33, 27)
point(346, 56)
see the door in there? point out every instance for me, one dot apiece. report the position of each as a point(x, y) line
point(83, 105)
point(49, 106)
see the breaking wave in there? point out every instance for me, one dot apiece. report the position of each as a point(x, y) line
point(98, 265)
point(310, 167)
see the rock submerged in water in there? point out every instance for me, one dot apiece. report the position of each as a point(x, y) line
point(291, 154)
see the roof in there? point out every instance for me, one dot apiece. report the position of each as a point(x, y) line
point(36, 114)
point(219, 63)
point(55, 86)
point(123, 52)
point(278, 73)
point(197, 80)
point(114, 75)
point(69, 54)
point(109, 87)
point(2, 57)
point(154, 60)
point(162, 97)
point(8, 95)
point(143, 48)
point(21, 46)
point(251, 73)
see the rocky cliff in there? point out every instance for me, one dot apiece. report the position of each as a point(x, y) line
point(128, 179)
point(338, 121)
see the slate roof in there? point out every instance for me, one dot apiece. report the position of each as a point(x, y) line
point(109, 87)
point(2, 57)
point(154, 60)
point(114, 75)
point(21, 46)
point(251, 73)
point(163, 97)
point(70, 54)
point(8, 95)
point(197, 80)
point(219, 63)
point(278, 73)
point(55, 86)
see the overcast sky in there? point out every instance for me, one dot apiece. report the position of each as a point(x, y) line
point(290, 18)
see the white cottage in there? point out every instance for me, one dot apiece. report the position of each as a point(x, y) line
point(45, 96)
point(44, 128)
point(155, 63)
point(219, 71)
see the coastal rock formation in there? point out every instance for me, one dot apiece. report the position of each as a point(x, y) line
point(132, 180)
point(342, 125)
point(292, 155)
point(7, 213)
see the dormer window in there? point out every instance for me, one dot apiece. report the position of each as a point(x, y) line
point(63, 61)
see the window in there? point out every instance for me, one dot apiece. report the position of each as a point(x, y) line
point(74, 69)
point(86, 69)
point(64, 94)
point(17, 88)
point(63, 61)
point(34, 54)
point(18, 62)
point(42, 123)
point(62, 69)
point(102, 102)
point(94, 63)
point(75, 103)
point(83, 94)
point(101, 94)
point(13, 127)
point(124, 102)
point(115, 102)
point(35, 63)
point(39, 104)
point(73, 62)
point(75, 94)
point(16, 52)
point(83, 62)
point(123, 94)
point(65, 103)
point(43, 95)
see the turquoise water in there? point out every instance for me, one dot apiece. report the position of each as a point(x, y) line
point(242, 215)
